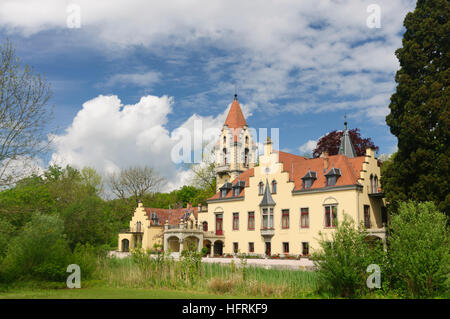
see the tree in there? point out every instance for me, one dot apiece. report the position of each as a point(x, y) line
point(419, 114)
point(330, 143)
point(133, 183)
point(24, 113)
point(204, 177)
point(343, 259)
point(419, 249)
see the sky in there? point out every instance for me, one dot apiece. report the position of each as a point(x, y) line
point(130, 78)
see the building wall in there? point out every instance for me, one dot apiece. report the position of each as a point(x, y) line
point(349, 201)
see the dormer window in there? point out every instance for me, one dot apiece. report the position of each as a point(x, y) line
point(237, 188)
point(309, 179)
point(223, 192)
point(332, 176)
point(224, 189)
point(154, 218)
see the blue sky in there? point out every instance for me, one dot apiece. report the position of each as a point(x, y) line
point(298, 66)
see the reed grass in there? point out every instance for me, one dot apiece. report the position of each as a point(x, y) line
point(189, 273)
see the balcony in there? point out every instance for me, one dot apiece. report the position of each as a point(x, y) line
point(267, 231)
point(222, 168)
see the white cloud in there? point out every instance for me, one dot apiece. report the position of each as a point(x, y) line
point(13, 170)
point(145, 79)
point(317, 51)
point(308, 147)
point(108, 136)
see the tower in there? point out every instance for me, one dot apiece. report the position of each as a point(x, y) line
point(235, 150)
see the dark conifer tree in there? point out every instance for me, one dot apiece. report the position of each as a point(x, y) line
point(419, 109)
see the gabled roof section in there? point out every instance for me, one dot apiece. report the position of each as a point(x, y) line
point(171, 215)
point(235, 118)
point(334, 172)
point(310, 175)
point(346, 148)
point(267, 198)
point(240, 180)
point(349, 169)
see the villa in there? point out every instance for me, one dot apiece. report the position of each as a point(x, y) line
point(274, 203)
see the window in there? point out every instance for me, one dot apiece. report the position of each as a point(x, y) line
point(235, 221)
point(251, 247)
point(274, 187)
point(375, 184)
point(261, 188)
point(305, 249)
point(286, 248)
point(307, 182)
point(331, 180)
point(267, 215)
point(330, 216)
point(223, 192)
point(285, 218)
point(235, 248)
point(138, 227)
point(246, 157)
point(205, 226)
point(225, 156)
point(224, 140)
point(304, 218)
point(246, 140)
point(366, 216)
point(237, 191)
point(251, 220)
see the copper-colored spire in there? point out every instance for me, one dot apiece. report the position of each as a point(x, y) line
point(235, 118)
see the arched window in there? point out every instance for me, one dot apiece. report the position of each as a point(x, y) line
point(246, 140)
point(261, 188)
point(246, 157)
point(205, 226)
point(371, 183)
point(225, 156)
point(274, 187)
point(375, 184)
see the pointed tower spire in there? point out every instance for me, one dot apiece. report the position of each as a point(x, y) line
point(346, 148)
point(267, 198)
point(235, 118)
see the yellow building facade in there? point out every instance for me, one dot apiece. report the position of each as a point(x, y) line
point(277, 203)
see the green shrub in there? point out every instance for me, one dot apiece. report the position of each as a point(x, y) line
point(342, 261)
point(86, 257)
point(418, 249)
point(39, 252)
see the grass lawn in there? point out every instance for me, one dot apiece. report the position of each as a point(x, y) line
point(110, 293)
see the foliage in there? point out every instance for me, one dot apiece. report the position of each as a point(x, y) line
point(419, 249)
point(86, 221)
point(6, 232)
point(419, 115)
point(343, 260)
point(330, 143)
point(39, 252)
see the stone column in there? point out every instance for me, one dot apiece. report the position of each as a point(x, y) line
point(212, 250)
point(181, 245)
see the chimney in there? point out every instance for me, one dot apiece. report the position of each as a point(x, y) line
point(324, 155)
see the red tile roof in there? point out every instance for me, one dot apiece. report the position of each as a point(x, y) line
point(245, 176)
point(172, 215)
point(235, 118)
point(350, 170)
point(297, 167)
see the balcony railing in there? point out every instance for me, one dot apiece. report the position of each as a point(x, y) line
point(223, 168)
point(267, 231)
